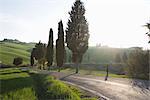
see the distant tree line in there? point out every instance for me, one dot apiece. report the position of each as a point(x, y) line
point(10, 40)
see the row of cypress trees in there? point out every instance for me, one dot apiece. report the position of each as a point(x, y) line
point(44, 54)
point(77, 36)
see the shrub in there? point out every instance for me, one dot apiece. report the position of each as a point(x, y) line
point(17, 61)
point(58, 90)
point(138, 66)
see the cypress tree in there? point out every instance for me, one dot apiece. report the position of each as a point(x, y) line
point(49, 52)
point(60, 48)
point(77, 35)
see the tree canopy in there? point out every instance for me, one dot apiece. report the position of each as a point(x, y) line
point(60, 47)
point(50, 51)
point(77, 33)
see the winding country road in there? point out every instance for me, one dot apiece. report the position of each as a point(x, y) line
point(113, 89)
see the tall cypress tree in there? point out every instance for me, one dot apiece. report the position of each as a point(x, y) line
point(77, 34)
point(49, 52)
point(60, 48)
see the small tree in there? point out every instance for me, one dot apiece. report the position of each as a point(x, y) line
point(60, 47)
point(77, 35)
point(17, 61)
point(138, 64)
point(148, 33)
point(49, 52)
point(38, 53)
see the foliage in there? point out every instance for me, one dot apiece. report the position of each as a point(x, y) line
point(60, 47)
point(77, 32)
point(17, 61)
point(9, 51)
point(118, 58)
point(42, 63)
point(38, 53)
point(148, 33)
point(16, 85)
point(31, 60)
point(58, 90)
point(138, 64)
point(50, 51)
point(97, 55)
point(124, 57)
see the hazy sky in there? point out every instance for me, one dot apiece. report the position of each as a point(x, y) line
point(116, 23)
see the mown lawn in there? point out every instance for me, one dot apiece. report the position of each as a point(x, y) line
point(27, 85)
point(93, 72)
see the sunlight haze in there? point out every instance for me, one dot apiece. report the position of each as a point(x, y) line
point(115, 23)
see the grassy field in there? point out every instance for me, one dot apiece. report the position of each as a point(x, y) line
point(93, 72)
point(16, 85)
point(8, 51)
point(21, 85)
point(94, 55)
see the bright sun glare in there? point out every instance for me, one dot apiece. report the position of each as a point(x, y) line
point(116, 23)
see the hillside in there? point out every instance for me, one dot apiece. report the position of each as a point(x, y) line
point(10, 50)
point(94, 55)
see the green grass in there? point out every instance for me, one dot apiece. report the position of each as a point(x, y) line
point(94, 55)
point(93, 72)
point(8, 51)
point(19, 85)
point(59, 90)
point(16, 85)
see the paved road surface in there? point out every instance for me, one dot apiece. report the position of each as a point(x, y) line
point(114, 88)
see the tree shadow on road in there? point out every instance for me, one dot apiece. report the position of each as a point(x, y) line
point(62, 78)
point(144, 85)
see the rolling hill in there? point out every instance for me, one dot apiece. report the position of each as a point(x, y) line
point(10, 50)
point(94, 55)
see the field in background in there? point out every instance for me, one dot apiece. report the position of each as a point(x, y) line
point(94, 55)
point(8, 51)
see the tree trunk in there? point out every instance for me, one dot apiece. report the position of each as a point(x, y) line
point(59, 69)
point(76, 60)
point(77, 67)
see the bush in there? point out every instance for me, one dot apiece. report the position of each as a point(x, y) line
point(58, 90)
point(138, 65)
point(17, 61)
